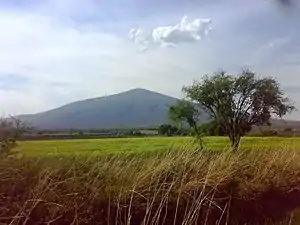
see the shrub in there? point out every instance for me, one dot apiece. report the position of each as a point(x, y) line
point(212, 128)
point(168, 130)
point(287, 132)
point(10, 130)
point(269, 133)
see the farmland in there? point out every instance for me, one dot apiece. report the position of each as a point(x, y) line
point(98, 147)
point(115, 181)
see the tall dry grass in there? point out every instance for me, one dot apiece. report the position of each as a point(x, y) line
point(172, 187)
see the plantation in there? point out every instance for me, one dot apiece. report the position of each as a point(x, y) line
point(100, 147)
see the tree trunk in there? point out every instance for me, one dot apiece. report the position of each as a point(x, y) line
point(198, 136)
point(235, 142)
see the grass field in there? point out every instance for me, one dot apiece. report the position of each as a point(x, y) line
point(54, 183)
point(96, 147)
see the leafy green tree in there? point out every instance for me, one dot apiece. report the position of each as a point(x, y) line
point(236, 103)
point(164, 129)
point(185, 112)
point(168, 129)
point(212, 128)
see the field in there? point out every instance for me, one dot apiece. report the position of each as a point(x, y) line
point(98, 147)
point(151, 181)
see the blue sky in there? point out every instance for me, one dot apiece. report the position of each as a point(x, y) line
point(54, 52)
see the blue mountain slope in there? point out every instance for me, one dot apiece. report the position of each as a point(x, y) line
point(134, 108)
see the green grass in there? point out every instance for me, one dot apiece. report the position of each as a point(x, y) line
point(177, 187)
point(98, 147)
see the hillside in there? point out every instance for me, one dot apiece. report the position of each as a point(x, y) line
point(129, 109)
point(133, 108)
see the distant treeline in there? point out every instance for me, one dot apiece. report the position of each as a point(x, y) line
point(207, 129)
point(54, 136)
point(88, 134)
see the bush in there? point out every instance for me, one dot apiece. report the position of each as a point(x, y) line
point(269, 133)
point(7, 145)
point(10, 130)
point(212, 128)
point(135, 133)
point(168, 130)
point(287, 132)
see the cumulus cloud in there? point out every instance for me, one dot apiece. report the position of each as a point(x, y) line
point(171, 35)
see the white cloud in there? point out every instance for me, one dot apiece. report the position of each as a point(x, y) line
point(171, 35)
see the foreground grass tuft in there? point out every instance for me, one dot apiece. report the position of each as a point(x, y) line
point(171, 187)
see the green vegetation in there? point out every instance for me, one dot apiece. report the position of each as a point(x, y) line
point(170, 130)
point(236, 103)
point(212, 128)
point(10, 130)
point(100, 147)
point(165, 180)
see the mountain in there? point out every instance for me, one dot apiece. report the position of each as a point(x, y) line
point(133, 108)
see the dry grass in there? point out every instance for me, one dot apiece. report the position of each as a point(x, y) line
point(174, 187)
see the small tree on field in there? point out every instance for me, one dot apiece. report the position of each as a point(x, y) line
point(184, 112)
point(10, 131)
point(239, 102)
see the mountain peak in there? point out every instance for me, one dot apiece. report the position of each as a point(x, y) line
point(139, 90)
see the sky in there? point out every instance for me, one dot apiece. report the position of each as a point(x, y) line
point(55, 52)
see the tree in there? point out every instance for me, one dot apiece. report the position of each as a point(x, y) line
point(167, 129)
point(212, 128)
point(187, 113)
point(184, 112)
point(10, 131)
point(239, 102)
